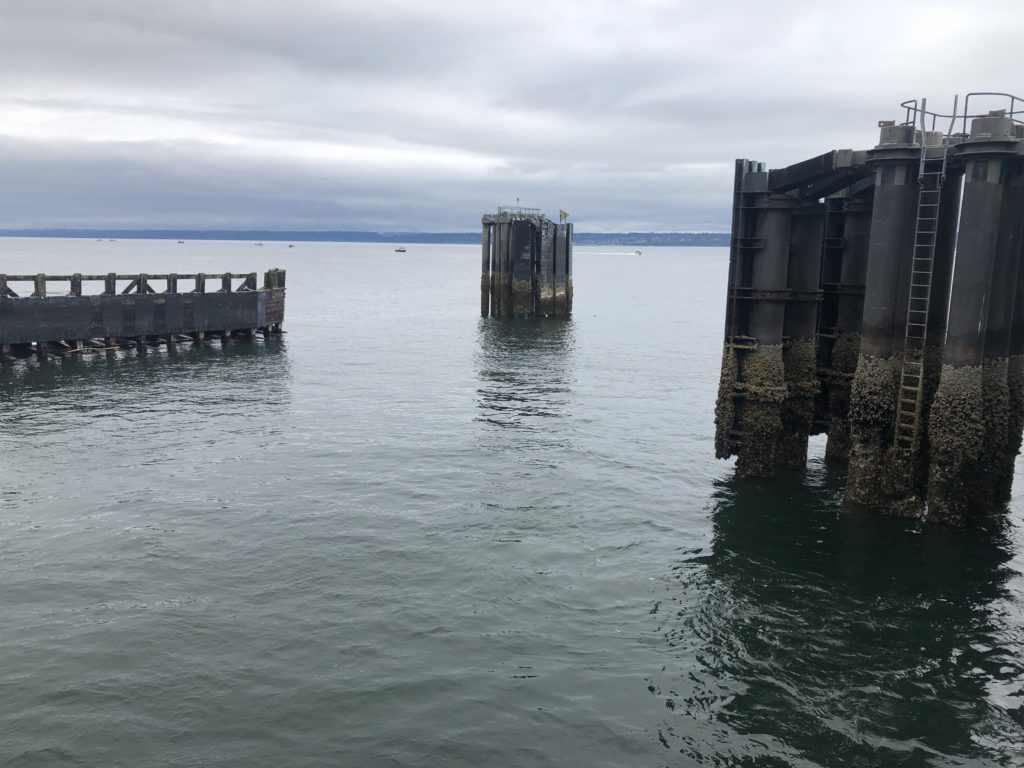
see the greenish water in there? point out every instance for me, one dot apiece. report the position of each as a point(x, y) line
point(403, 536)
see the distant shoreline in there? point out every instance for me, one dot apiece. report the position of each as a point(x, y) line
point(441, 238)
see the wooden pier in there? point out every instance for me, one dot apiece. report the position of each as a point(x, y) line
point(878, 295)
point(43, 314)
point(526, 266)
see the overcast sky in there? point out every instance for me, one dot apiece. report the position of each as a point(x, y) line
point(419, 115)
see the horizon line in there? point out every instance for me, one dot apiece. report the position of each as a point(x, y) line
point(27, 230)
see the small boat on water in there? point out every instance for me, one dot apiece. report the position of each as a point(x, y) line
point(399, 250)
point(638, 253)
point(181, 241)
point(257, 243)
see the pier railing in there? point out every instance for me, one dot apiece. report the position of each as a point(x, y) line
point(42, 309)
point(137, 283)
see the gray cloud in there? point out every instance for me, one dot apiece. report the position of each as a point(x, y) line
point(407, 115)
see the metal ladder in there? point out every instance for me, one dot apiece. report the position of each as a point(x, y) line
point(931, 176)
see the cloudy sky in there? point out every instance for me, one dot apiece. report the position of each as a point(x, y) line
point(419, 115)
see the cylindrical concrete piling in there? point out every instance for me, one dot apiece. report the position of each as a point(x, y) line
point(762, 369)
point(800, 322)
point(942, 278)
point(967, 400)
point(918, 336)
point(1015, 387)
point(890, 251)
point(996, 474)
point(849, 310)
point(737, 340)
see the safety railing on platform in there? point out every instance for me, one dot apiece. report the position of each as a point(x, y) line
point(917, 115)
point(519, 211)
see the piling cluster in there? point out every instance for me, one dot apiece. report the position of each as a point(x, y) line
point(877, 296)
point(47, 314)
point(527, 265)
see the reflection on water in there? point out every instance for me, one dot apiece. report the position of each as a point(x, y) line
point(525, 372)
point(165, 414)
point(182, 390)
point(809, 635)
point(247, 370)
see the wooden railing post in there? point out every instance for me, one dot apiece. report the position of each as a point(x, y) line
point(76, 284)
point(5, 349)
point(40, 287)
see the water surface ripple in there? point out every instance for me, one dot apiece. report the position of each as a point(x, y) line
point(403, 536)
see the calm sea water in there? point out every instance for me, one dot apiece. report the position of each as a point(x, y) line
point(403, 536)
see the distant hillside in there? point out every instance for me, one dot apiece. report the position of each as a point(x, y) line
point(651, 238)
point(448, 238)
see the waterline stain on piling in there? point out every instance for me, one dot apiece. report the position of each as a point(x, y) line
point(800, 361)
point(845, 352)
point(725, 405)
point(996, 456)
point(1014, 428)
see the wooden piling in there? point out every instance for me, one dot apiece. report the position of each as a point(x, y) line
point(498, 281)
point(525, 265)
point(521, 257)
point(559, 277)
point(546, 271)
point(485, 272)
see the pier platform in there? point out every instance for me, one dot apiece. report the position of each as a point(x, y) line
point(43, 313)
